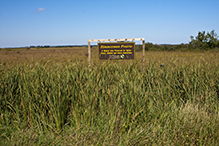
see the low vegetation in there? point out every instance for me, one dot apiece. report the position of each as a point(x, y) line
point(56, 99)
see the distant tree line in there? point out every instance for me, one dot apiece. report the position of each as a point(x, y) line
point(40, 46)
point(203, 41)
point(62, 46)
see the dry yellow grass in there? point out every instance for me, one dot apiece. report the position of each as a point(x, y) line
point(14, 56)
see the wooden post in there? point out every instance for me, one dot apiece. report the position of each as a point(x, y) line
point(89, 53)
point(106, 40)
point(143, 43)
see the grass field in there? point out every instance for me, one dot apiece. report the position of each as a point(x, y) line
point(51, 97)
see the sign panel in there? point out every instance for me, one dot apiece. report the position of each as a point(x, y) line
point(116, 51)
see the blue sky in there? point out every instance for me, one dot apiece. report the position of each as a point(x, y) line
point(73, 22)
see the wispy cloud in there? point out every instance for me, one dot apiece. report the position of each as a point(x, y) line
point(40, 9)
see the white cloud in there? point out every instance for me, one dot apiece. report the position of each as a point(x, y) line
point(40, 9)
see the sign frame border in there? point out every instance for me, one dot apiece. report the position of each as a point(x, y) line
point(129, 39)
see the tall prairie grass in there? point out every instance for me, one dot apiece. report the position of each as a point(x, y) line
point(62, 101)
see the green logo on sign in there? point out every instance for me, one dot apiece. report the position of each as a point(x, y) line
point(122, 56)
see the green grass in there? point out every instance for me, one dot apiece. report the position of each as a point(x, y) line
point(64, 102)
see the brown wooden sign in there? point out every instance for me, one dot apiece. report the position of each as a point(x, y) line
point(116, 51)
